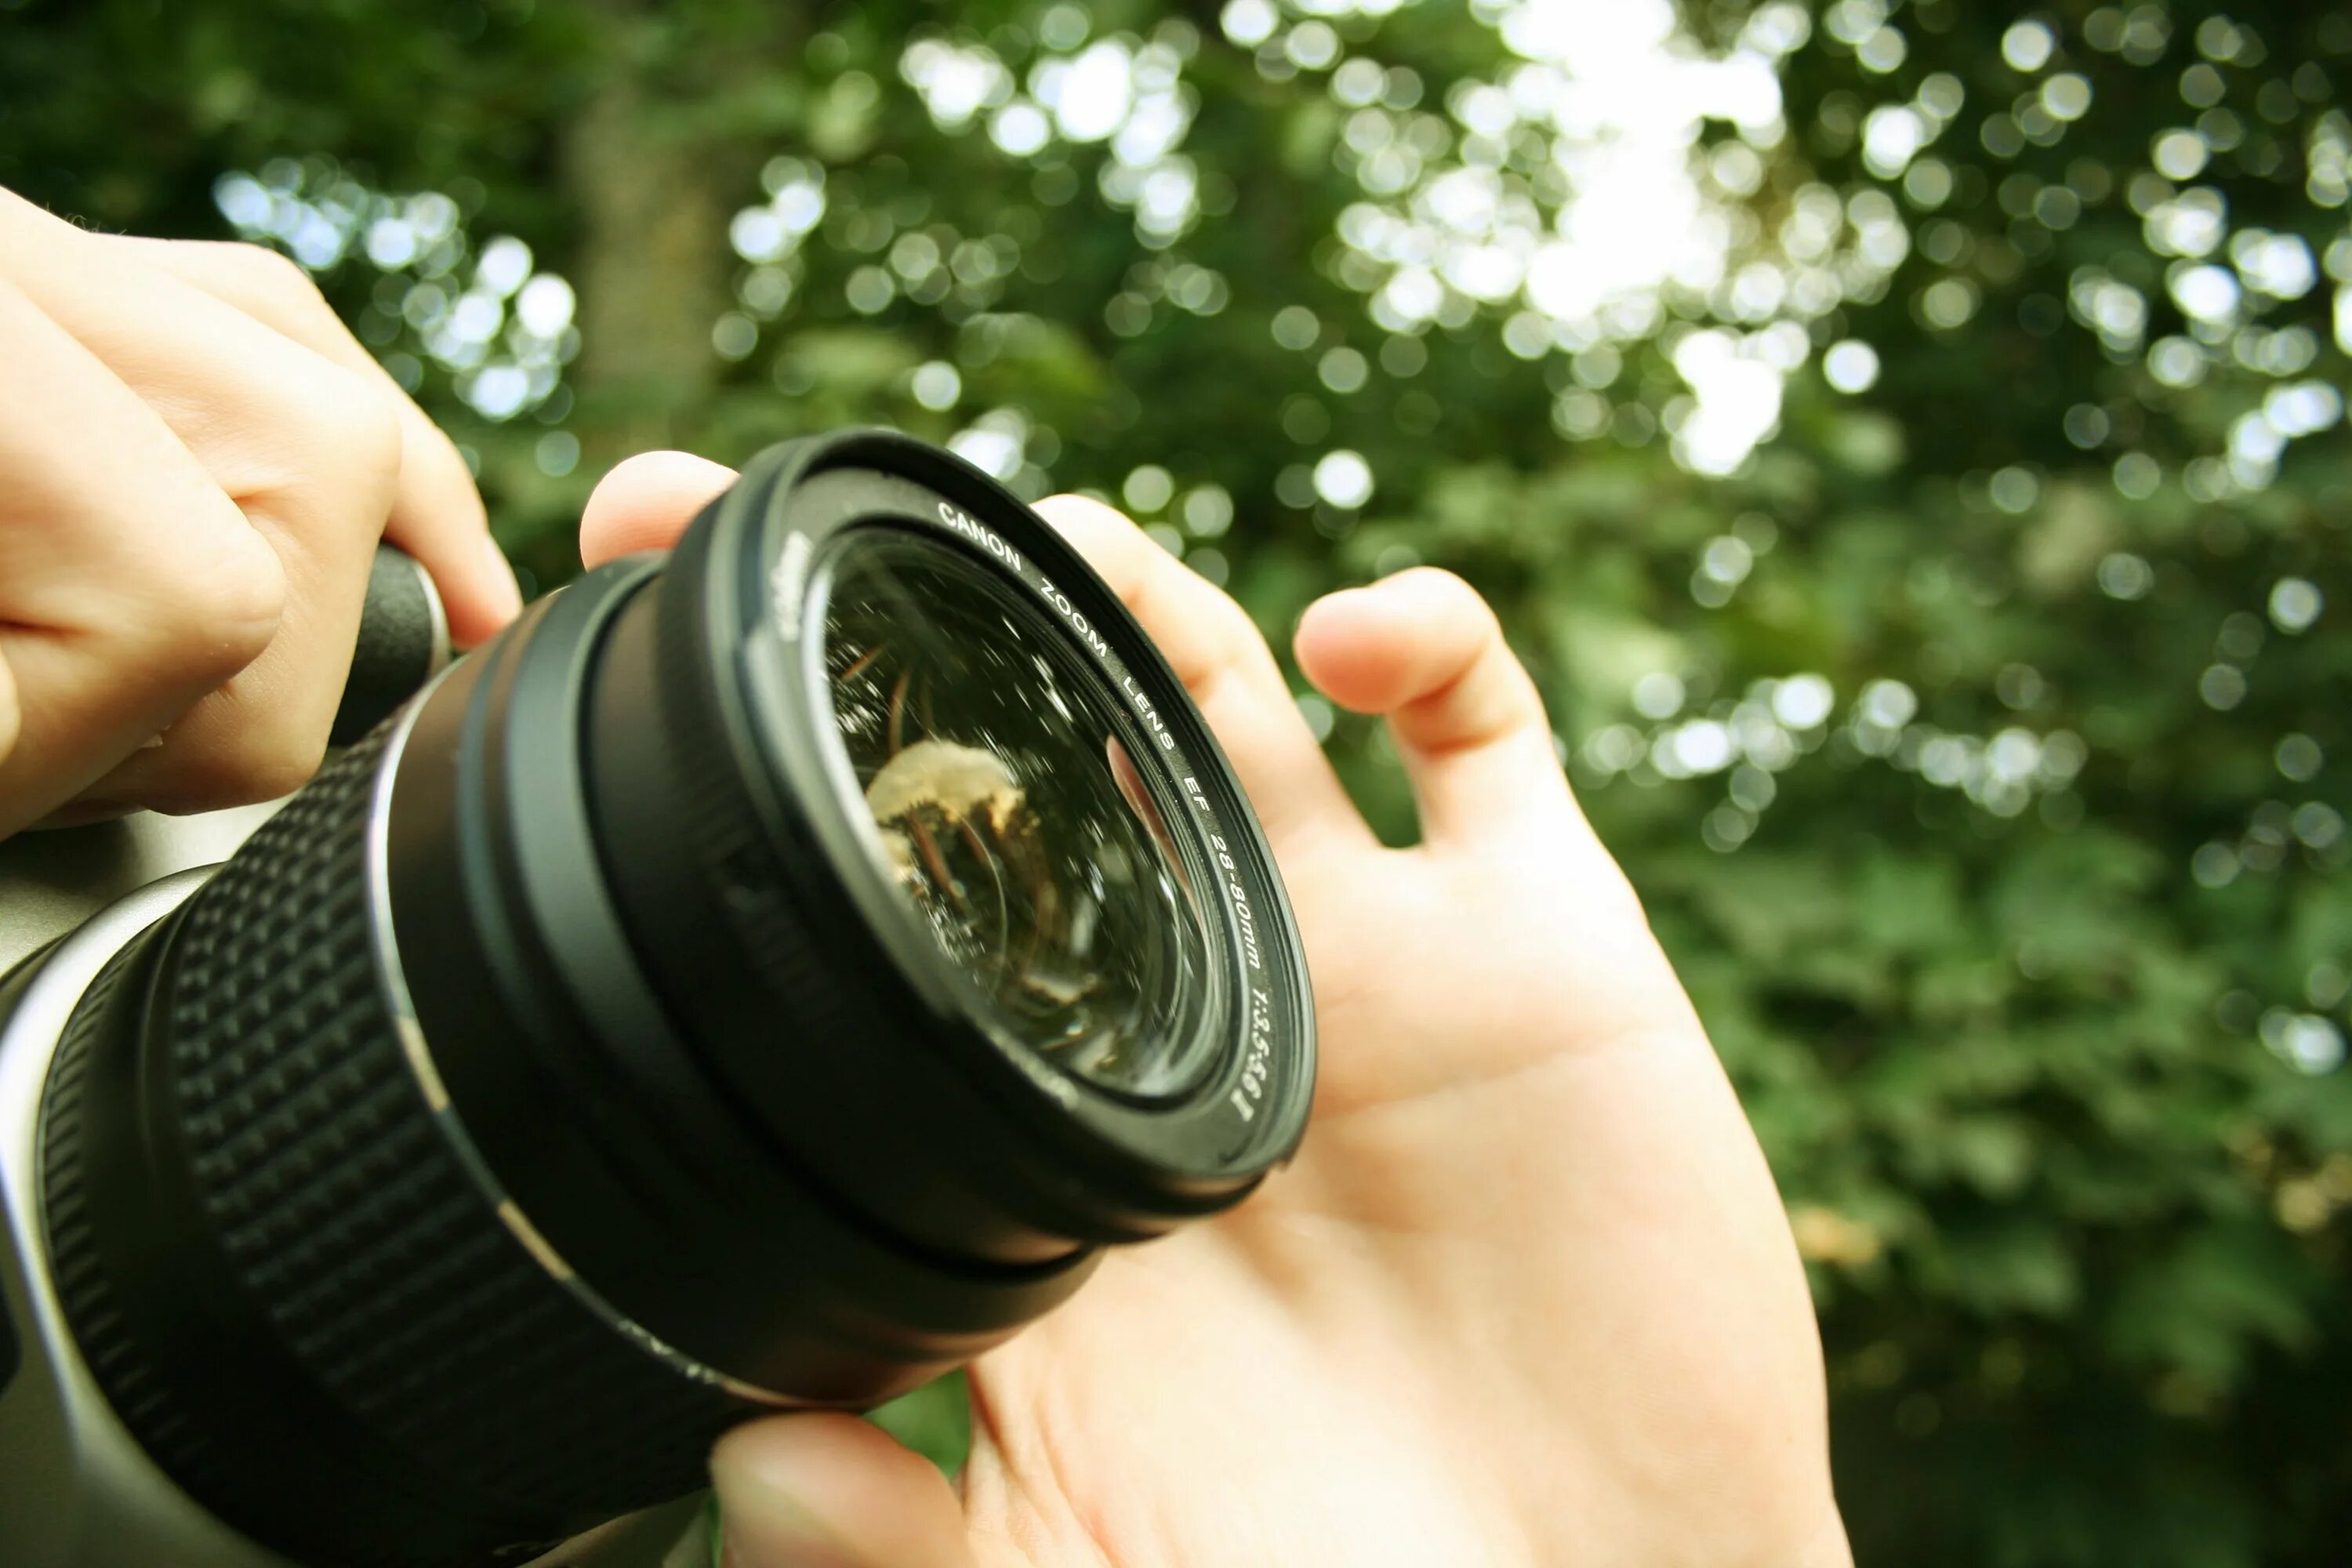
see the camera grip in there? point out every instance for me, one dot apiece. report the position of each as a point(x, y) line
point(403, 641)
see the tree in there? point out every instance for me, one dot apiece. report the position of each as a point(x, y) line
point(1906, 442)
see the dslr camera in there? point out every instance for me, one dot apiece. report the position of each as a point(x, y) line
point(765, 976)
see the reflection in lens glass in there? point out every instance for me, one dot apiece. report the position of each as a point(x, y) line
point(997, 769)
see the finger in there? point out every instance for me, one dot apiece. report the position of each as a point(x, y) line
point(1425, 651)
point(646, 502)
point(307, 451)
point(436, 510)
point(832, 1491)
point(1222, 657)
point(129, 585)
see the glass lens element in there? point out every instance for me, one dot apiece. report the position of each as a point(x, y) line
point(998, 768)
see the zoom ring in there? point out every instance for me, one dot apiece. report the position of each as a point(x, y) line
point(348, 1215)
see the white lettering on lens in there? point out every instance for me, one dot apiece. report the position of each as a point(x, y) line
point(1261, 1055)
point(979, 534)
point(1079, 623)
point(1151, 715)
point(1243, 920)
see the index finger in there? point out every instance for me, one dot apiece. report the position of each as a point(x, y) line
point(646, 502)
point(436, 510)
point(1223, 659)
point(130, 584)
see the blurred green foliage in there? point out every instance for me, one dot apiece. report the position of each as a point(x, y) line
point(1978, 740)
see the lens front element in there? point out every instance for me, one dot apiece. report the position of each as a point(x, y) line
point(1009, 808)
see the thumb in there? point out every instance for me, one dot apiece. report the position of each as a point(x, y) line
point(646, 502)
point(822, 1491)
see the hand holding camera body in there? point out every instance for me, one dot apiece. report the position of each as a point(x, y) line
point(763, 977)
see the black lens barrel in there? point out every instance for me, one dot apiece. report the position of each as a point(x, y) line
point(767, 903)
point(544, 1090)
point(718, 817)
point(570, 1069)
point(283, 1273)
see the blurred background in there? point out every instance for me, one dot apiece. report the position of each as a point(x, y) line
point(1906, 441)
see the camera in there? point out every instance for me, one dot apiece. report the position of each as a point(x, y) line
point(765, 976)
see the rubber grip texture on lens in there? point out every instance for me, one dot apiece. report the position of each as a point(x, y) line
point(345, 1209)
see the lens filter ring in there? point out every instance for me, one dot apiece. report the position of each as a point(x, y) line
point(746, 674)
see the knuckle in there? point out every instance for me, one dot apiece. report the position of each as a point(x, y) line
point(356, 427)
point(1231, 625)
point(224, 602)
point(1454, 594)
point(273, 272)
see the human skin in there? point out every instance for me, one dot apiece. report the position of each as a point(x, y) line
point(1526, 1296)
point(196, 461)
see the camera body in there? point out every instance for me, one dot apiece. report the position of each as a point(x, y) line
point(764, 977)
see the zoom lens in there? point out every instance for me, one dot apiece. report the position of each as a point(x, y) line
point(764, 976)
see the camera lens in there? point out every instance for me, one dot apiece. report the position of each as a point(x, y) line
point(1008, 806)
point(765, 976)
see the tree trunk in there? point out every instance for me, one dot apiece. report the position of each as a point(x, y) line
point(655, 191)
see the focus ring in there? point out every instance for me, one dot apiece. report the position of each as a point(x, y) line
point(347, 1214)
